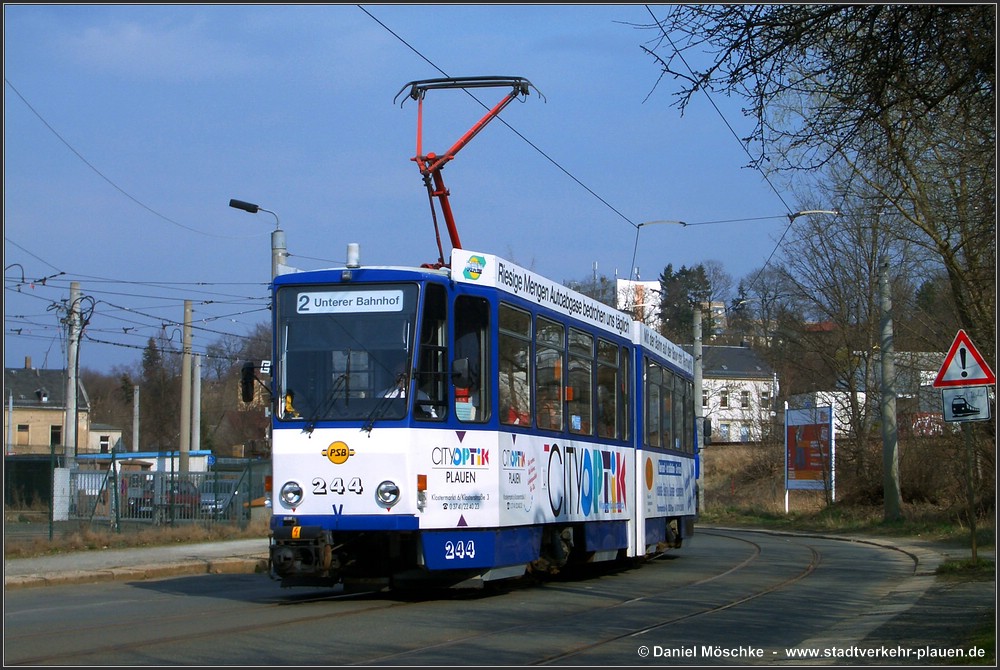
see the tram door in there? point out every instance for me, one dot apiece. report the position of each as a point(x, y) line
point(469, 359)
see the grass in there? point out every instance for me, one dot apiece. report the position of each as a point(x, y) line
point(744, 486)
point(89, 539)
point(983, 570)
point(929, 523)
point(984, 637)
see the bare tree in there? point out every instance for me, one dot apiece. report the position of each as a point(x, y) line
point(852, 64)
point(764, 299)
point(902, 95)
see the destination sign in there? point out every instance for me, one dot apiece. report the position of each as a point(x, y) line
point(334, 302)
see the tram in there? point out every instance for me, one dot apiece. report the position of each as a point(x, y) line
point(466, 421)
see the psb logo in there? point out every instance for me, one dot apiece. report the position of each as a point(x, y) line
point(474, 267)
point(338, 453)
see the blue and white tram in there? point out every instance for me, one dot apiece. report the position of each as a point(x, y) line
point(462, 424)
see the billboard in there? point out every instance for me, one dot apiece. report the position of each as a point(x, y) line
point(810, 455)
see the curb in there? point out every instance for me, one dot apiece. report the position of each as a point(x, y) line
point(218, 566)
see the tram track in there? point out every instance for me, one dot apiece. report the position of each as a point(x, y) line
point(814, 561)
point(557, 607)
point(805, 572)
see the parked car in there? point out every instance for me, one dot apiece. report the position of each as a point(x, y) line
point(166, 498)
point(220, 498)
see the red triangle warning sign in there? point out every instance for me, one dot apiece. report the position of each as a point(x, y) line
point(964, 365)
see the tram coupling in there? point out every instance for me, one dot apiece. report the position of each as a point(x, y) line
point(303, 553)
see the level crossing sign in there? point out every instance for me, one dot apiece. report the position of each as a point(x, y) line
point(964, 365)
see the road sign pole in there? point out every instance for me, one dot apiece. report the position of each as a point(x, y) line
point(970, 488)
point(964, 367)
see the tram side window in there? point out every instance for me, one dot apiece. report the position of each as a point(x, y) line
point(625, 386)
point(608, 385)
point(683, 417)
point(579, 392)
point(472, 321)
point(667, 399)
point(653, 379)
point(514, 366)
point(431, 368)
point(549, 348)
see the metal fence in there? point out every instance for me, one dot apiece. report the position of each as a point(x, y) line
point(114, 498)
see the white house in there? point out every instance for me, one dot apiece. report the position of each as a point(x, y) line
point(738, 393)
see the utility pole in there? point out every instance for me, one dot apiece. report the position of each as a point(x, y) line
point(73, 319)
point(135, 418)
point(890, 458)
point(185, 435)
point(9, 451)
point(698, 429)
point(196, 404)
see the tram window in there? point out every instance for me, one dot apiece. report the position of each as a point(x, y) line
point(683, 417)
point(514, 364)
point(653, 379)
point(549, 349)
point(361, 370)
point(667, 412)
point(607, 389)
point(624, 384)
point(579, 396)
point(472, 321)
point(431, 366)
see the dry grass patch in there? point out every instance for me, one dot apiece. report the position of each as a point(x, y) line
point(99, 539)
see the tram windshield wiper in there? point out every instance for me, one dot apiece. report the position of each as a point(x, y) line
point(395, 392)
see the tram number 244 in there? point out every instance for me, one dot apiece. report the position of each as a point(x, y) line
point(337, 486)
point(459, 550)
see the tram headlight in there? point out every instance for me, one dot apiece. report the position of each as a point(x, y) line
point(290, 494)
point(387, 494)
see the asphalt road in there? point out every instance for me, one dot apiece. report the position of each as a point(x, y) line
point(876, 596)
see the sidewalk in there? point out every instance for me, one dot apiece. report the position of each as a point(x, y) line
point(82, 567)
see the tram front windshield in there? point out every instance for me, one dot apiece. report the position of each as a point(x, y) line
point(344, 352)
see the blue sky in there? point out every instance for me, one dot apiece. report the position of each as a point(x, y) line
point(127, 129)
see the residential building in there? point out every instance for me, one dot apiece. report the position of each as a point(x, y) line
point(104, 439)
point(34, 425)
point(35, 413)
point(738, 393)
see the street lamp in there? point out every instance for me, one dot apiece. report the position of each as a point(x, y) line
point(279, 252)
point(253, 209)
